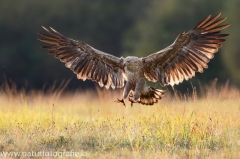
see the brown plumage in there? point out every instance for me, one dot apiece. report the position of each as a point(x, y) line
point(189, 53)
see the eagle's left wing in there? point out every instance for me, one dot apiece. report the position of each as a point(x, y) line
point(189, 53)
point(84, 60)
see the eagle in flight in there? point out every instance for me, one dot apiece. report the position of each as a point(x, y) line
point(189, 53)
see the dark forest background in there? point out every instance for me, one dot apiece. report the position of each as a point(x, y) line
point(121, 28)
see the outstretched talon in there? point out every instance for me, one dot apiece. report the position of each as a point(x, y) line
point(120, 101)
point(132, 101)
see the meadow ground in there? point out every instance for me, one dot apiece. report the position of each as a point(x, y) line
point(91, 125)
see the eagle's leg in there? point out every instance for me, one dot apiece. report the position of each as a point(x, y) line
point(132, 101)
point(120, 101)
point(126, 91)
point(137, 92)
point(138, 89)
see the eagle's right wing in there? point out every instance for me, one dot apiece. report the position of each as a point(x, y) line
point(84, 60)
point(189, 53)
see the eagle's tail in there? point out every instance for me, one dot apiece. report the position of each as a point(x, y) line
point(151, 97)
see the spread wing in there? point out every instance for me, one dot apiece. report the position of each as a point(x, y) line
point(84, 60)
point(189, 53)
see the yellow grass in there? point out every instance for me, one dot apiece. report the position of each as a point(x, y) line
point(91, 123)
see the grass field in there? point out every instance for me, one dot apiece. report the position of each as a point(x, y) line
point(92, 124)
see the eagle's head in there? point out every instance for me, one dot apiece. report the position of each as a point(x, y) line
point(132, 63)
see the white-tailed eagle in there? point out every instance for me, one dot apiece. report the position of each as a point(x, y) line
point(189, 53)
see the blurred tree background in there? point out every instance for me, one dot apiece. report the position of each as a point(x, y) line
point(121, 28)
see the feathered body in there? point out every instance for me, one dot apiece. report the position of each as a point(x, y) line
point(136, 85)
point(189, 53)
